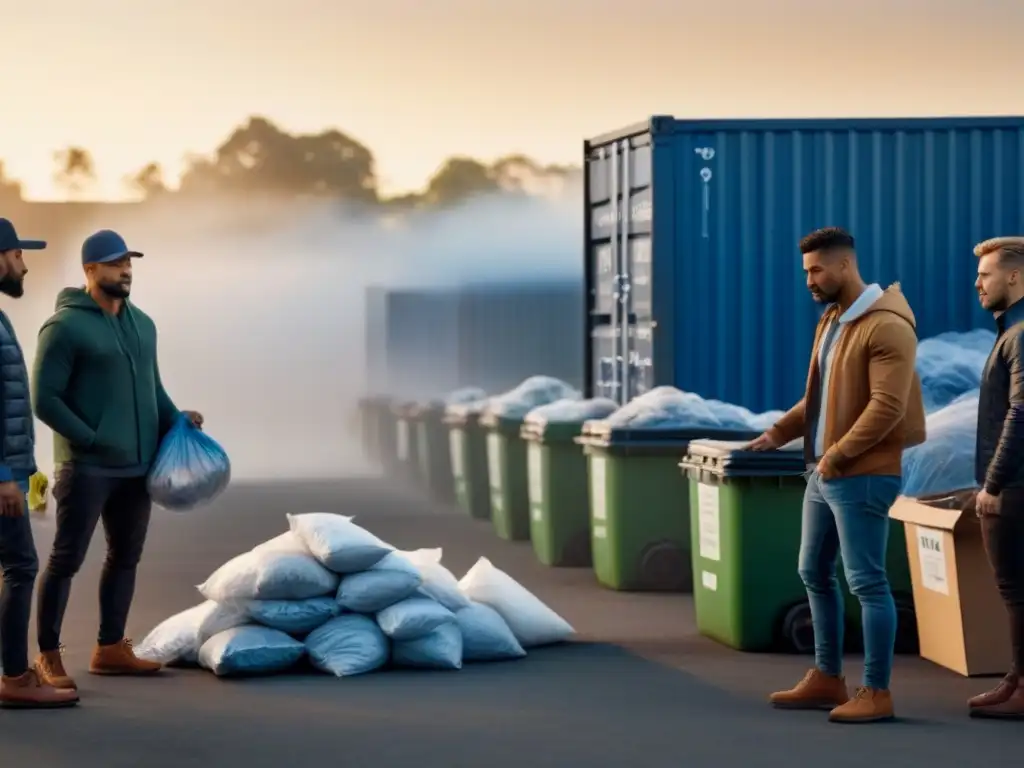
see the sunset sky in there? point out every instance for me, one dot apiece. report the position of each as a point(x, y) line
point(420, 80)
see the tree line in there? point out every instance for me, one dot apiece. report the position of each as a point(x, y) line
point(261, 158)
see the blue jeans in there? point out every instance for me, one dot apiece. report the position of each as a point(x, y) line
point(851, 515)
point(19, 564)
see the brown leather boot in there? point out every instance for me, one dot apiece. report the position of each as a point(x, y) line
point(816, 691)
point(1011, 708)
point(120, 659)
point(27, 691)
point(998, 695)
point(868, 705)
point(50, 668)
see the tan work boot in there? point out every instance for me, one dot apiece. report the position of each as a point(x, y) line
point(27, 691)
point(120, 659)
point(868, 705)
point(816, 691)
point(50, 668)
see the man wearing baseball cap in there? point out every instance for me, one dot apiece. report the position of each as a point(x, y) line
point(97, 385)
point(21, 685)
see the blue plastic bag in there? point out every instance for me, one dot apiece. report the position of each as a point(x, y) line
point(440, 649)
point(190, 468)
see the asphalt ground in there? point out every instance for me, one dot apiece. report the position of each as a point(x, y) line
point(639, 688)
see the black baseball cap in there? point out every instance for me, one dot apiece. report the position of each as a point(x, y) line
point(106, 246)
point(10, 241)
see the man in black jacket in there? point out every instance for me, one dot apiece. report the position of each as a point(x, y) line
point(999, 457)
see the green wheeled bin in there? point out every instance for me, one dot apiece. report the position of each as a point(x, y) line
point(407, 447)
point(467, 442)
point(506, 474)
point(745, 519)
point(747, 591)
point(639, 504)
point(559, 495)
point(434, 453)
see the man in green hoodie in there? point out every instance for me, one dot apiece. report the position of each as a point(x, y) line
point(97, 385)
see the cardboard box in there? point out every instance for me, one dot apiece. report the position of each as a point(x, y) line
point(961, 620)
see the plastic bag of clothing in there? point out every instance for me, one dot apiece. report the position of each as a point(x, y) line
point(347, 645)
point(392, 579)
point(950, 365)
point(190, 468)
point(440, 649)
point(412, 618)
point(945, 460)
point(485, 635)
point(177, 640)
point(250, 650)
point(269, 576)
point(337, 542)
point(296, 617)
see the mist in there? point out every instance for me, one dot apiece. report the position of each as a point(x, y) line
point(260, 312)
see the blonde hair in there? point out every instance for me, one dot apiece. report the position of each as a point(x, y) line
point(1010, 249)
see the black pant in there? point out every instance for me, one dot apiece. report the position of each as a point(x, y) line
point(1004, 542)
point(20, 565)
point(82, 500)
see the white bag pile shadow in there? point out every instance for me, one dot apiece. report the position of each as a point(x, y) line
point(330, 592)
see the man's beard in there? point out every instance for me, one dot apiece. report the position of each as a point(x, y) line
point(13, 288)
point(116, 290)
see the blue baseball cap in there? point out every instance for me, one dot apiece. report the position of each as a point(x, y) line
point(10, 241)
point(105, 246)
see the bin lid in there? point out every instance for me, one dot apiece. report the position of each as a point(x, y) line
point(730, 458)
point(604, 434)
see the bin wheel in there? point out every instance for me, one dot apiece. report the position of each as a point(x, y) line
point(664, 567)
point(797, 630)
point(907, 641)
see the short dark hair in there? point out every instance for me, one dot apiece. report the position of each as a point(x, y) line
point(826, 239)
point(1010, 250)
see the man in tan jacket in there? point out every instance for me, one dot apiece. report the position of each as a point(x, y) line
point(861, 408)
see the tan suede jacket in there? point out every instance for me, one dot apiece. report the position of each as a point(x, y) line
point(874, 408)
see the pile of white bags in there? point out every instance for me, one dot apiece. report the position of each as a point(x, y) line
point(331, 592)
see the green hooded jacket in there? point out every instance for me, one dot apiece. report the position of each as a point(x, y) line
point(96, 384)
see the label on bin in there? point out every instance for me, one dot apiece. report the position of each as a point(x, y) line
point(403, 440)
point(456, 441)
point(709, 580)
point(707, 522)
point(537, 513)
point(494, 447)
point(598, 489)
point(600, 532)
point(932, 554)
point(534, 468)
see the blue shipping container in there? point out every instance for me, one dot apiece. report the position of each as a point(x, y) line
point(411, 342)
point(423, 343)
point(701, 285)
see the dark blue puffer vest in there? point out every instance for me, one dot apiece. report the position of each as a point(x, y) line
point(17, 428)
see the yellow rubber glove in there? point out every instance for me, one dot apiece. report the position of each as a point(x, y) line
point(37, 485)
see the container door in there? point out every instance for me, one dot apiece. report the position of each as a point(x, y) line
point(607, 368)
point(620, 260)
point(641, 357)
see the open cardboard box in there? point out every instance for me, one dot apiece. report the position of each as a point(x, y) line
point(961, 620)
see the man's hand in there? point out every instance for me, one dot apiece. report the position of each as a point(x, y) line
point(825, 469)
point(195, 417)
point(12, 500)
point(763, 443)
point(986, 504)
